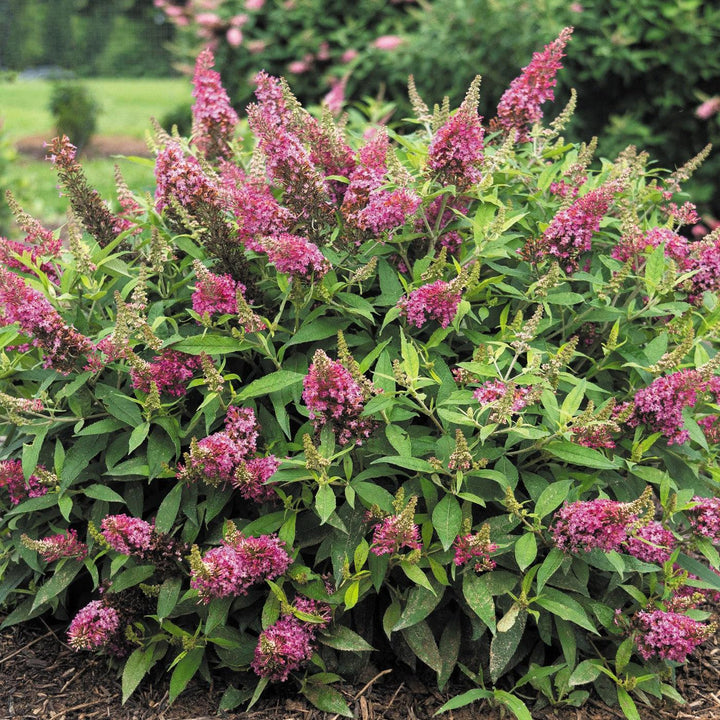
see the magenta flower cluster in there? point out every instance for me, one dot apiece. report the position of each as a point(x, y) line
point(493, 390)
point(214, 294)
point(333, 396)
point(128, 535)
point(659, 406)
point(651, 543)
point(13, 480)
point(56, 547)
point(61, 344)
point(227, 457)
point(180, 177)
point(435, 301)
point(705, 517)
point(570, 232)
point(394, 533)
point(455, 154)
point(289, 642)
point(474, 549)
point(237, 564)
point(668, 635)
point(588, 524)
point(519, 107)
point(214, 119)
point(94, 627)
point(367, 203)
point(170, 371)
point(294, 255)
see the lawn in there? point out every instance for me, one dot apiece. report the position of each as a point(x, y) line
point(126, 108)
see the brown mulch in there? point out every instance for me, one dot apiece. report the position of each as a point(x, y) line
point(100, 146)
point(41, 677)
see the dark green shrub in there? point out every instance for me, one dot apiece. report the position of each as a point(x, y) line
point(75, 112)
point(451, 396)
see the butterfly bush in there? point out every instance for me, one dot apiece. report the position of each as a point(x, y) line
point(447, 390)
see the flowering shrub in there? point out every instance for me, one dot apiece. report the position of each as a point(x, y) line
point(450, 395)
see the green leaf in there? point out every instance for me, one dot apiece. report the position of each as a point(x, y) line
point(627, 704)
point(564, 606)
point(373, 495)
point(466, 698)
point(449, 649)
point(586, 672)
point(184, 671)
point(399, 439)
point(31, 452)
point(550, 564)
point(119, 406)
point(623, 654)
point(420, 603)
point(447, 520)
point(325, 502)
point(273, 382)
point(327, 699)
point(580, 455)
point(655, 268)
point(408, 463)
point(551, 497)
point(101, 492)
point(138, 435)
point(414, 573)
point(343, 638)
point(525, 550)
point(78, 458)
point(168, 596)
point(131, 577)
point(564, 298)
point(514, 703)
point(211, 344)
point(136, 668)
point(478, 597)
point(168, 510)
point(56, 584)
point(421, 641)
point(504, 645)
point(352, 595)
point(101, 427)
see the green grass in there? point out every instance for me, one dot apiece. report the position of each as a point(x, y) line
point(126, 105)
point(126, 108)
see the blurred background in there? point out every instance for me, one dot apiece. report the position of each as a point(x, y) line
point(646, 73)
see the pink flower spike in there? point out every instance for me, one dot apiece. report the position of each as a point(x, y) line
point(669, 635)
point(435, 301)
point(93, 627)
point(388, 42)
point(214, 119)
point(127, 535)
point(519, 107)
point(282, 648)
point(588, 524)
point(13, 480)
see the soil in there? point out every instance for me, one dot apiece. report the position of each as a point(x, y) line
point(42, 678)
point(100, 146)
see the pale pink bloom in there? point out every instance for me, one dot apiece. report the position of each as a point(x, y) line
point(234, 37)
point(254, 4)
point(297, 67)
point(388, 42)
point(237, 21)
point(323, 52)
point(335, 99)
point(349, 55)
point(208, 19)
point(708, 108)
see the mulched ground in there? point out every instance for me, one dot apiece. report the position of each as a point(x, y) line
point(42, 678)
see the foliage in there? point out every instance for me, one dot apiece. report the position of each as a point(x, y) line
point(318, 44)
point(124, 38)
point(440, 396)
point(75, 112)
point(639, 71)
